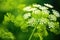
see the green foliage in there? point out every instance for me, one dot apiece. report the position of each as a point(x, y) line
point(23, 22)
point(5, 34)
point(8, 5)
point(36, 16)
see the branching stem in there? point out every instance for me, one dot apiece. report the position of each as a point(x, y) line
point(32, 33)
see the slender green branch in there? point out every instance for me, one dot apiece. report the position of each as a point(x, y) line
point(41, 38)
point(32, 33)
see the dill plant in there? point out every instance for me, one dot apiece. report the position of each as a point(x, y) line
point(36, 16)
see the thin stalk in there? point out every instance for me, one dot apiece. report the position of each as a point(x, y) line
point(32, 33)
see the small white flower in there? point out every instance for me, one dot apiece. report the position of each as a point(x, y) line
point(36, 5)
point(43, 8)
point(31, 20)
point(27, 8)
point(43, 21)
point(46, 12)
point(52, 17)
point(27, 15)
point(56, 13)
point(39, 6)
point(51, 24)
point(33, 9)
point(48, 5)
point(36, 11)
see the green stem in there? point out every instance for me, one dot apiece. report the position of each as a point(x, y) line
point(32, 33)
point(41, 38)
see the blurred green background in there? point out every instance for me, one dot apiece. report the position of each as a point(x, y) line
point(14, 6)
